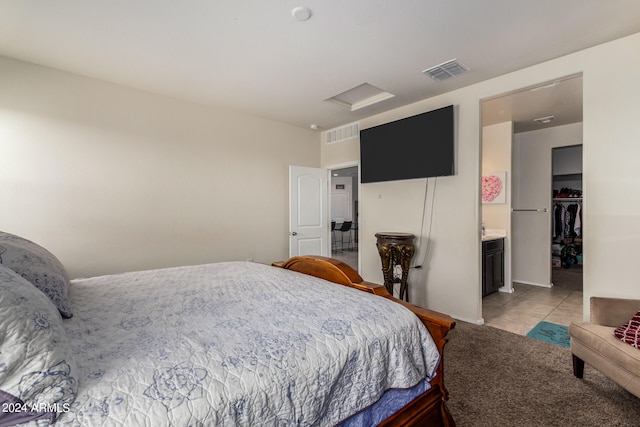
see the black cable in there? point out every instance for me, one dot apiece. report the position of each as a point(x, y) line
point(424, 208)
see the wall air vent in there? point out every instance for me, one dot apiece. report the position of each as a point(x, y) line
point(342, 133)
point(446, 70)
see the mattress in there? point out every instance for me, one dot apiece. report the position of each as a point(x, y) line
point(236, 344)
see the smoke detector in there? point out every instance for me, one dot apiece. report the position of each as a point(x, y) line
point(301, 13)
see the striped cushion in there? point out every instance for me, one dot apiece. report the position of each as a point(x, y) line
point(630, 331)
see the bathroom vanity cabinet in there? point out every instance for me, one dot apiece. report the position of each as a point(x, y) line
point(492, 265)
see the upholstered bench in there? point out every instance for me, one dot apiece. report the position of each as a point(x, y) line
point(594, 343)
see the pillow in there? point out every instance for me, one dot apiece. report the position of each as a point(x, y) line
point(36, 365)
point(38, 266)
point(630, 331)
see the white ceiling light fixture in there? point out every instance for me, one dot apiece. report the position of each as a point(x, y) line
point(545, 119)
point(446, 70)
point(360, 96)
point(301, 13)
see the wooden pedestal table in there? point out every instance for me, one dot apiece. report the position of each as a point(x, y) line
point(396, 249)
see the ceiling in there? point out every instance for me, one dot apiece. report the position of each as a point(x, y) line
point(558, 102)
point(254, 56)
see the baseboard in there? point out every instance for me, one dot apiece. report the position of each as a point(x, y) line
point(542, 285)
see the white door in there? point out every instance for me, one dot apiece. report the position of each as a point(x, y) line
point(341, 199)
point(308, 224)
point(531, 213)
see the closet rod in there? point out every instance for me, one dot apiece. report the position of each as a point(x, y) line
point(530, 210)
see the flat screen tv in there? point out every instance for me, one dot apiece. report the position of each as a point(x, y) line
point(419, 146)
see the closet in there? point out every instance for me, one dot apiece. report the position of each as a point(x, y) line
point(566, 228)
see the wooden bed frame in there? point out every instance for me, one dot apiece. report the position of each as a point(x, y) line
point(428, 409)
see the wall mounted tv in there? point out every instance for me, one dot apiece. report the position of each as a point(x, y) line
point(419, 146)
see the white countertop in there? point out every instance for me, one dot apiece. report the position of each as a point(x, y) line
point(492, 234)
point(492, 237)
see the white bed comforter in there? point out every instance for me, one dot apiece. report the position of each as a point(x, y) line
point(236, 344)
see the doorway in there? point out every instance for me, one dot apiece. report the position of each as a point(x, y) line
point(566, 230)
point(343, 193)
point(536, 120)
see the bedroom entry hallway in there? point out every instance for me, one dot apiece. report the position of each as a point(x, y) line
point(344, 215)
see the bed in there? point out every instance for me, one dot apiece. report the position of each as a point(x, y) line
point(230, 344)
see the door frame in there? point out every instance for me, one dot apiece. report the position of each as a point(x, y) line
point(345, 165)
point(509, 231)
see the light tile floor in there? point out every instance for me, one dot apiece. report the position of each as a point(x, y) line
point(521, 310)
point(349, 257)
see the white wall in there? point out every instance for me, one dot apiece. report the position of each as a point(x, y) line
point(112, 179)
point(496, 157)
point(531, 232)
point(611, 130)
point(455, 225)
point(567, 161)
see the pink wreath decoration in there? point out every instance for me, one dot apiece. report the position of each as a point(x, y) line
point(491, 188)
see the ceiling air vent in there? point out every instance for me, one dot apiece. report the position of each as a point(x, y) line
point(446, 70)
point(342, 133)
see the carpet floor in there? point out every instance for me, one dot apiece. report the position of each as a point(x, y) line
point(497, 378)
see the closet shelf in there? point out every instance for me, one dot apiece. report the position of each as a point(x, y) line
point(567, 177)
point(567, 199)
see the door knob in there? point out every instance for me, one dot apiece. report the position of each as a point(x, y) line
point(293, 233)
